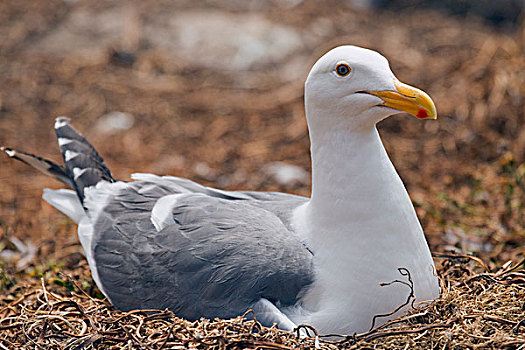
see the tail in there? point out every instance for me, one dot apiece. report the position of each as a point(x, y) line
point(83, 165)
point(46, 166)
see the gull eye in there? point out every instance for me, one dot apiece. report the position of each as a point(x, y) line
point(342, 69)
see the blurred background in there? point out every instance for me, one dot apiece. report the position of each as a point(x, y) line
point(213, 91)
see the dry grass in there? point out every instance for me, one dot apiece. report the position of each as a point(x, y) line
point(478, 309)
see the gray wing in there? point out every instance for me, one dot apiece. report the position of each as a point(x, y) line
point(215, 254)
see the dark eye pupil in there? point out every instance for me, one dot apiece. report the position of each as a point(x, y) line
point(343, 69)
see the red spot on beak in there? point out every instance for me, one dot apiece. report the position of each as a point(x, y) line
point(422, 114)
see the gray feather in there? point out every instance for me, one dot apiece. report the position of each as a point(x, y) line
point(223, 252)
point(43, 165)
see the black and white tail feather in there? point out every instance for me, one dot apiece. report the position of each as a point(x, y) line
point(83, 168)
point(43, 165)
point(83, 165)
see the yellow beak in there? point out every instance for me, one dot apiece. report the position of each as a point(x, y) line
point(408, 99)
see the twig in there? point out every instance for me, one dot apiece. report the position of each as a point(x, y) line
point(167, 336)
point(407, 331)
point(462, 256)
point(404, 272)
point(518, 326)
point(44, 289)
point(307, 327)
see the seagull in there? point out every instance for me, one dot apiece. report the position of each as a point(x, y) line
point(345, 260)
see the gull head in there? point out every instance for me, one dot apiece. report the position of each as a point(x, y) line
point(353, 87)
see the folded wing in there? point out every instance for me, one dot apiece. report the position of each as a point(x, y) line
point(171, 243)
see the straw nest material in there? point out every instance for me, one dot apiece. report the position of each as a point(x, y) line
point(477, 309)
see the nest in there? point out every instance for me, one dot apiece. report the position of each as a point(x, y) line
point(477, 309)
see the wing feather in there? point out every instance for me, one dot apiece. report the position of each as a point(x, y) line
point(221, 253)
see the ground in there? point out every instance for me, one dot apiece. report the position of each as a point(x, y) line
point(156, 90)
